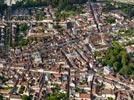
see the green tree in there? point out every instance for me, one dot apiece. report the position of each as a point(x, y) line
point(23, 27)
point(21, 90)
point(100, 87)
point(117, 58)
point(25, 97)
point(124, 70)
point(1, 2)
point(40, 15)
point(57, 96)
point(1, 97)
point(110, 20)
point(110, 98)
point(63, 4)
point(93, 0)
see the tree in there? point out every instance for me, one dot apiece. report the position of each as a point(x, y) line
point(29, 2)
point(21, 90)
point(117, 58)
point(3, 79)
point(25, 97)
point(53, 2)
point(1, 97)
point(93, 0)
point(40, 15)
point(57, 96)
point(1, 2)
point(124, 70)
point(100, 87)
point(63, 4)
point(23, 27)
point(110, 98)
point(2, 6)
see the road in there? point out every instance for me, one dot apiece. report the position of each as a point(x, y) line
point(90, 4)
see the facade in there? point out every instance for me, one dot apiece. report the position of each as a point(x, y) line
point(10, 2)
point(2, 35)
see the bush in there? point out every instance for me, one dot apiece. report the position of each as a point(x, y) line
point(110, 20)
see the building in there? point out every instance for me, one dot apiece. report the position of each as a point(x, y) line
point(10, 2)
point(2, 37)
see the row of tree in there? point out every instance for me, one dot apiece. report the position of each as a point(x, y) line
point(54, 3)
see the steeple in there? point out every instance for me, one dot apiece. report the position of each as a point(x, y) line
point(102, 38)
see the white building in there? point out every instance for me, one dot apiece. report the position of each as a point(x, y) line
point(106, 70)
point(37, 58)
point(10, 2)
point(1, 65)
